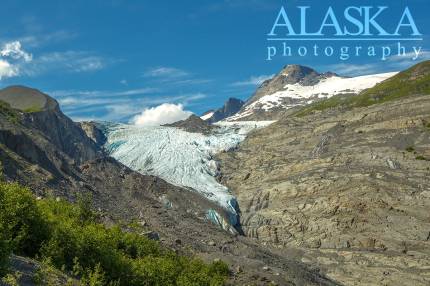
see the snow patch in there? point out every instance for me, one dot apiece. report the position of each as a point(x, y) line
point(207, 116)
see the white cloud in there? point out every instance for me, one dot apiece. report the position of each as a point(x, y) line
point(253, 80)
point(15, 61)
point(174, 76)
point(168, 72)
point(354, 69)
point(41, 38)
point(119, 105)
point(7, 70)
point(14, 51)
point(102, 93)
point(162, 114)
point(12, 57)
point(392, 64)
point(73, 61)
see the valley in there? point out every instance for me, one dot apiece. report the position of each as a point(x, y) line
point(317, 179)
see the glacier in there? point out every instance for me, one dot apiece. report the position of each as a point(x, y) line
point(181, 158)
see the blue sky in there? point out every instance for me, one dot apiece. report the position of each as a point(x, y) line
point(109, 60)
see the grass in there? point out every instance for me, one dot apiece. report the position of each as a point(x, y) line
point(414, 81)
point(422, 158)
point(10, 114)
point(32, 109)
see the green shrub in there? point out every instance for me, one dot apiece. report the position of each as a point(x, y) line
point(21, 219)
point(410, 149)
point(72, 238)
point(12, 279)
point(422, 158)
point(4, 252)
point(10, 114)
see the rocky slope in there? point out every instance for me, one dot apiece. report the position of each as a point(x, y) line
point(349, 188)
point(296, 86)
point(41, 148)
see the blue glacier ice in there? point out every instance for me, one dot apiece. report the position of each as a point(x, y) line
point(181, 158)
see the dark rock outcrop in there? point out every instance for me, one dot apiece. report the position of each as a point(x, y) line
point(230, 107)
point(94, 131)
point(193, 124)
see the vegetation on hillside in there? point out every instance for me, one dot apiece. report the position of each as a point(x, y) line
point(4, 251)
point(8, 112)
point(71, 237)
point(414, 81)
point(33, 109)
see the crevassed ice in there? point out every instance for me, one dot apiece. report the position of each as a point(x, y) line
point(181, 158)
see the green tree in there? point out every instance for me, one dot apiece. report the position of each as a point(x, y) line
point(21, 219)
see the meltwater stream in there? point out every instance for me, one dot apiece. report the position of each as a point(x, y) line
point(181, 158)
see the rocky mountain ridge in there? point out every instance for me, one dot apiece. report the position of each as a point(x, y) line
point(296, 86)
point(289, 75)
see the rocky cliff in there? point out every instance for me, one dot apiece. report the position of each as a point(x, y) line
point(230, 107)
point(348, 186)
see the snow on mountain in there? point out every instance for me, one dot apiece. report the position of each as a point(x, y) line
point(207, 115)
point(181, 158)
point(299, 93)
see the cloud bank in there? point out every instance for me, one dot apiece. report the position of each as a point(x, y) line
point(253, 80)
point(168, 72)
point(162, 114)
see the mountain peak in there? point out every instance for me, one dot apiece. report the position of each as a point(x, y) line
point(297, 69)
point(230, 107)
point(293, 74)
point(27, 99)
point(234, 101)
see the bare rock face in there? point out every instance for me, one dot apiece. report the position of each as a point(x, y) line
point(40, 112)
point(94, 132)
point(230, 107)
point(351, 189)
